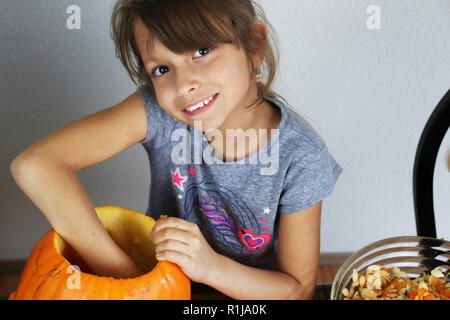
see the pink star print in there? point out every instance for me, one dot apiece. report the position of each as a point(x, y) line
point(178, 179)
point(192, 171)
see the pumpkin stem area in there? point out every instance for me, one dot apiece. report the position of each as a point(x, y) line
point(129, 229)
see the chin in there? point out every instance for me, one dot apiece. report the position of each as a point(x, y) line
point(204, 125)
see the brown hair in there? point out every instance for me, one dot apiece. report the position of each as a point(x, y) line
point(186, 25)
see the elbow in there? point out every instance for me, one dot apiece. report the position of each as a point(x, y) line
point(301, 291)
point(20, 160)
point(23, 167)
point(17, 166)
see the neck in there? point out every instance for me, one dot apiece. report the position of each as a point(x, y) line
point(261, 116)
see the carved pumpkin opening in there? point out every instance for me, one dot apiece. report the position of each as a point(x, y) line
point(130, 230)
point(48, 274)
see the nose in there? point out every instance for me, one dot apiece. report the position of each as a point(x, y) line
point(187, 82)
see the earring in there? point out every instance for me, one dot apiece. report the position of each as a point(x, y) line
point(259, 77)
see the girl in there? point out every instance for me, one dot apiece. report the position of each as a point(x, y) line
point(249, 230)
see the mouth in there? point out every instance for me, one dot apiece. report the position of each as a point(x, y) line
point(201, 106)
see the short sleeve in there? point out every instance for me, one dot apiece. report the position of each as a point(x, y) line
point(160, 123)
point(308, 180)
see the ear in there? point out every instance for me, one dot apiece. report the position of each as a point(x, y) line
point(262, 27)
point(259, 42)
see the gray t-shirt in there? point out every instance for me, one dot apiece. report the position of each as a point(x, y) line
point(236, 204)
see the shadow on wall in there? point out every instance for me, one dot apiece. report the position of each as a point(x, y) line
point(448, 160)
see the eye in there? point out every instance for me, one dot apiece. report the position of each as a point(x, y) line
point(202, 52)
point(159, 71)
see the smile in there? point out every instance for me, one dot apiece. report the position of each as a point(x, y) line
point(201, 106)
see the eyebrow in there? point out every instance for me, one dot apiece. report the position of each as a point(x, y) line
point(147, 46)
point(151, 61)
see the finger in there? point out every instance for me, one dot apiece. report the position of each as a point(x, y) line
point(172, 234)
point(171, 222)
point(173, 245)
point(179, 258)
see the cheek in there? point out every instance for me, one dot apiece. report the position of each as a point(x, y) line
point(159, 95)
point(164, 100)
point(231, 66)
point(237, 76)
point(162, 92)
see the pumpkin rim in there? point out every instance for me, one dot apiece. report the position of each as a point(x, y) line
point(159, 264)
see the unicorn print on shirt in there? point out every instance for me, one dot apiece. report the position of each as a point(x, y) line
point(225, 220)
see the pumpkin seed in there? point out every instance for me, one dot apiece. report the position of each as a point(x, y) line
point(368, 294)
point(362, 281)
point(355, 276)
point(379, 284)
point(373, 267)
point(345, 292)
point(437, 273)
point(423, 285)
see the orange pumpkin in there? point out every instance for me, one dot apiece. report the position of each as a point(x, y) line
point(51, 272)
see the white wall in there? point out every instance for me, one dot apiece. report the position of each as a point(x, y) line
point(368, 92)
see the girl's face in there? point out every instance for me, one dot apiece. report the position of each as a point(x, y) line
point(220, 76)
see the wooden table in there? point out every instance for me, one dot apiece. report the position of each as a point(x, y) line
point(203, 292)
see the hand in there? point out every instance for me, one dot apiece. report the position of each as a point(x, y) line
point(182, 243)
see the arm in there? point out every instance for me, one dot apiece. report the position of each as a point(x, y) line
point(46, 173)
point(297, 258)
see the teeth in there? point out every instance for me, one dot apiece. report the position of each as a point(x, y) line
point(200, 104)
point(206, 101)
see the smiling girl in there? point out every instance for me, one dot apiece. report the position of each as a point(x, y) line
point(206, 67)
